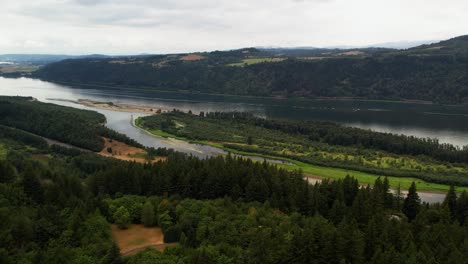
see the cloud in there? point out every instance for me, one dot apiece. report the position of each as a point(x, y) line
point(126, 26)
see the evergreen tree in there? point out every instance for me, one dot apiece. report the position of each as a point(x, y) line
point(7, 172)
point(113, 257)
point(22, 230)
point(462, 207)
point(451, 201)
point(412, 203)
point(32, 186)
point(337, 212)
point(257, 190)
point(249, 140)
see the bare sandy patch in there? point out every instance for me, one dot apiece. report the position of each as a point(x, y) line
point(121, 107)
point(119, 150)
point(192, 57)
point(137, 238)
point(351, 53)
point(312, 179)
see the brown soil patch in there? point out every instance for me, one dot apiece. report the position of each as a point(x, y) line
point(40, 157)
point(312, 179)
point(125, 152)
point(351, 53)
point(191, 57)
point(137, 237)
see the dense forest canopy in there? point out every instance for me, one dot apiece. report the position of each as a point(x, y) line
point(436, 72)
point(77, 127)
point(56, 206)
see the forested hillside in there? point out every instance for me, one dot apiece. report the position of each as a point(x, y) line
point(57, 205)
point(320, 143)
point(80, 128)
point(436, 73)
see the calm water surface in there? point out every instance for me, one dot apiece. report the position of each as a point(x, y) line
point(449, 124)
point(119, 121)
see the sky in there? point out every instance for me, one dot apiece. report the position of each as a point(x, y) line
point(175, 26)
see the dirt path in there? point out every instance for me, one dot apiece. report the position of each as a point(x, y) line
point(158, 247)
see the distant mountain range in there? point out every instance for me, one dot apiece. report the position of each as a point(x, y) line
point(43, 58)
point(386, 45)
point(436, 72)
point(39, 59)
point(50, 58)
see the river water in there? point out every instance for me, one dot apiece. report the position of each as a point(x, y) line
point(449, 124)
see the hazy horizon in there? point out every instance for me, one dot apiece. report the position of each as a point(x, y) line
point(394, 45)
point(78, 27)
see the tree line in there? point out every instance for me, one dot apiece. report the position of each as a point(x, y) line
point(432, 76)
point(81, 128)
point(232, 211)
point(321, 143)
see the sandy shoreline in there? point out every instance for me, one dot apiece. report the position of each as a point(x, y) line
point(122, 107)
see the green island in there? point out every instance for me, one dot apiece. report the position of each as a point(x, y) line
point(322, 149)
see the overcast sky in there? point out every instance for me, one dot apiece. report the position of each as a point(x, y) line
point(166, 26)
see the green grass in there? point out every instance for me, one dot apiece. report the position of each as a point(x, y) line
point(139, 155)
point(321, 171)
point(367, 178)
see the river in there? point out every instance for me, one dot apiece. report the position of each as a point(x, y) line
point(449, 124)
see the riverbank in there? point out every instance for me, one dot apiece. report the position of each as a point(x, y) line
point(130, 108)
point(316, 170)
point(240, 96)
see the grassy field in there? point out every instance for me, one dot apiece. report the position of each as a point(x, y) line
point(251, 61)
point(321, 171)
point(300, 147)
point(367, 178)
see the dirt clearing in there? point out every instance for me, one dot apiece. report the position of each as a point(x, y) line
point(137, 237)
point(192, 57)
point(312, 179)
point(118, 150)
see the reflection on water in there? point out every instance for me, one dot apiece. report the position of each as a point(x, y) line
point(447, 123)
point(118, 121)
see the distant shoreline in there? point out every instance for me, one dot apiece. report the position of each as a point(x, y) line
point(272, 97)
